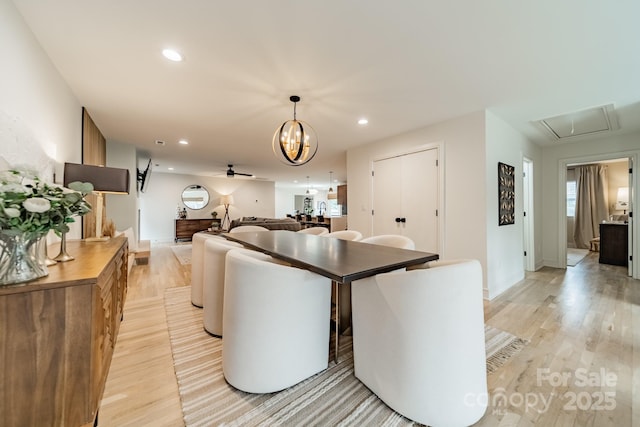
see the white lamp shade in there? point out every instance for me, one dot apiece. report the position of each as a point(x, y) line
point(622, 201)
point(226, 200)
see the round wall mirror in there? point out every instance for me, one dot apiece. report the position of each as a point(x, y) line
point(195, 197)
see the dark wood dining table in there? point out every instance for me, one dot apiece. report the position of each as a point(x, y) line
point(343, 261)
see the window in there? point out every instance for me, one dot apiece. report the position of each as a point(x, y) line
point(571, 198)
point(334, 208)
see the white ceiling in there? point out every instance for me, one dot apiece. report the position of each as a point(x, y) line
point(403, 65)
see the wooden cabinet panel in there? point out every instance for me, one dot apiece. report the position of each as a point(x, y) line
point(342, 198)
point(57, 336)
point(186, 228)
point(614, 244)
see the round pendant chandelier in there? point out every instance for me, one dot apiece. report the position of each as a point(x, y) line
point(294, 142)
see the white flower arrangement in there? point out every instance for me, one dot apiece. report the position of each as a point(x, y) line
point(31, 206)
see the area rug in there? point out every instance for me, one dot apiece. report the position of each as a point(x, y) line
point(574, 256)
point(183, 253)
point(332, 397)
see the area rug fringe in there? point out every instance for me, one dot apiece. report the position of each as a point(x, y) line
point(183, 253)
point(332, 397)
point(499, 358)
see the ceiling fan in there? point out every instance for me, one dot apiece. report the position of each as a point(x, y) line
point(231, 173)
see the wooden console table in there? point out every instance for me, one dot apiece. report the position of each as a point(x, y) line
point(57, 336)
point(186, 228)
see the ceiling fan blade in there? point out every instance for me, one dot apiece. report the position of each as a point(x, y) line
point(231, 173)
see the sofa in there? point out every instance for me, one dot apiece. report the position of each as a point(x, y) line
point(268, 223)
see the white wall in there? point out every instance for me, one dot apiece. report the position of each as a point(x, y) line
point(473, 146)
point(555, 158)
point(505, 247)
point(40, 118)
point(284, 202)
point(122, 209)
point(158, 203)
point(465, 212)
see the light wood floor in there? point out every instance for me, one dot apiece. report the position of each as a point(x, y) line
point(583, 325)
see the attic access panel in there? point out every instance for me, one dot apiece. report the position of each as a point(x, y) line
point(581, 123)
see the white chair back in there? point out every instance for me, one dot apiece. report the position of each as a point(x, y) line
point(345, 235)
point(197, 253)
point(215, 252)
point(392, 240)
point(247, 228)
point(318, 231)
point(431, 322)
point(275, 323)
point(437, 263)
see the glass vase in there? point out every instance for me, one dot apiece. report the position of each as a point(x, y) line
point(20, 259)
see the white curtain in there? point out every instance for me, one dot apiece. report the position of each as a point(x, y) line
point(571, 223)
point(591, 203)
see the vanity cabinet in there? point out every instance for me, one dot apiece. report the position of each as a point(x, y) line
point(57, 336)
point(614, 244)
point(186, 228)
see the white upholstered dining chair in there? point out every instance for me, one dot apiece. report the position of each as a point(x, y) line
point(197, 260)
point(213, 272)
point(247, 228)
point(318, 231)
point(432, 366)
point(275, 322)
point(392, 240)
point(353, 235)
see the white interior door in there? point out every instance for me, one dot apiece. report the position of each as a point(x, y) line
point(630, 225)
point(387, 196)
point(405, 197)
point(420, 200)
point(527, 226)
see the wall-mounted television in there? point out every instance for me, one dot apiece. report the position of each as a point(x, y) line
point(143, 178)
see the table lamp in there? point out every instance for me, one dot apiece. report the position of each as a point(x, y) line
point(622, 199)
point(104, 180)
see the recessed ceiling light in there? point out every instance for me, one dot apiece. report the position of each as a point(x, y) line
point(159, 142)
point(170, 169)
point(363, 121)
point(172, 55)
point(183, 142)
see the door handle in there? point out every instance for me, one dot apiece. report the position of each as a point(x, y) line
point(398, 219)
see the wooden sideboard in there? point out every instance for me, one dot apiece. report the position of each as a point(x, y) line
point(614, 244)
point(186, 228)
point(57, 336)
